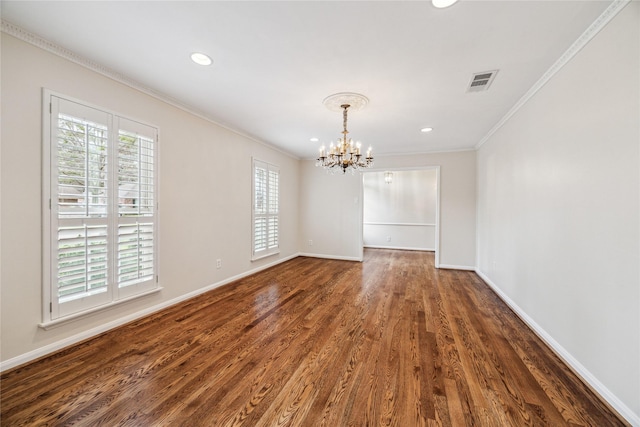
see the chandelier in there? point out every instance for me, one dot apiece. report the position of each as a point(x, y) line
point(345, 155)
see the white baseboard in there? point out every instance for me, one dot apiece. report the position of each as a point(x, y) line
point(400, 248)
point(66, 342)
point(456, 267)
point(337, 257)
point(582, 372)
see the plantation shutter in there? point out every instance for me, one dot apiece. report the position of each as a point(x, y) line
point(101, 226)
point(265, 209)
point(260, 207)
point(272, 216)
point(80, 169)
point(136, 205)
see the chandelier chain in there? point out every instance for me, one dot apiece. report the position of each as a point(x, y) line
point(344, 118)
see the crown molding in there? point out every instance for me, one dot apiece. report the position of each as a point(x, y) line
point(614, 8)
point(37, 41)
point(610, 12)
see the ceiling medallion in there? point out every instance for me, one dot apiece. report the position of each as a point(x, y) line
point(346, 154)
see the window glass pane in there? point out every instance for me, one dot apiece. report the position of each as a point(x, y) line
point(135, 175)
point(82, 168)
point(260, 188)
point(273, 192)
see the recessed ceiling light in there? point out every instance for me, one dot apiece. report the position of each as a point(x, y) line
point(201, 58)
point(425, 130)
point(440, 4)
point(314, 139)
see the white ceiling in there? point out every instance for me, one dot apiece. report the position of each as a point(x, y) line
point(275, 61)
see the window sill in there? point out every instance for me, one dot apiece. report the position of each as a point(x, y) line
point(72, 317)
point(259, 257)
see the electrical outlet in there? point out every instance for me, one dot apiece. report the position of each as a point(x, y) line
point(218, 263)
point(388, 238)
point(310, 242)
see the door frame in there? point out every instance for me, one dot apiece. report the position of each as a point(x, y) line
point(404, 169)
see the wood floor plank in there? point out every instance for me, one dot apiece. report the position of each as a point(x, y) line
point(314, 342)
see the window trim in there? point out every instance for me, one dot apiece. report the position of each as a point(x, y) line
point(268, 251)
point(116, 296)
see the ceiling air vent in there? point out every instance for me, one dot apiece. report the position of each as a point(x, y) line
point(481, 81)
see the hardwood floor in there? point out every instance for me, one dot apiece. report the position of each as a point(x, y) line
point(314, 342)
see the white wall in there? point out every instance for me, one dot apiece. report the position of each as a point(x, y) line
point(402, 213)
point(558, 211)
point(457, 201)
point(330, 223)
point(205, 195)
point(331, 207)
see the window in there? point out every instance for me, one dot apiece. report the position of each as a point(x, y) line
point(100, 218)
point(265, 218)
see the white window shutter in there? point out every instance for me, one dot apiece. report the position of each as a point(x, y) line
point(82, 261)
point(100, 235)
point(265, 217)
point(136, 202)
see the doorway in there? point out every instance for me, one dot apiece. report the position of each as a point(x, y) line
point(401, 209)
